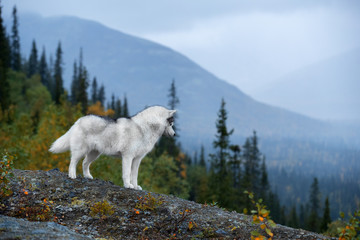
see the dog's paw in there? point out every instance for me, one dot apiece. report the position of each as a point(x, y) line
point(88, 176)
point(128, 185)
point(139, 187)
point(72, 176)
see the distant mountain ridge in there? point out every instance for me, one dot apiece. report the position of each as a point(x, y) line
point(144, 70)
point(331, 88)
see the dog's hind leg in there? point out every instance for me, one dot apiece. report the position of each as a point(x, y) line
point(134, 172)
point(75, 158)
point(90, 157)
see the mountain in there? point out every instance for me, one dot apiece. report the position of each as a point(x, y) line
point(143, 70)
point(331, 88)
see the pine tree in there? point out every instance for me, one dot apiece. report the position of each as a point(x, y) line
point(58, 70)
point(220, 179)
point(264, 181)
point(202, 157)
point(44, 71)
point(94, 91)
point(302, 217)
point(101, 95)
point(282, 218)
point(274, 206)
point(173, 104)
point(4, 64)
point(75, 85)
point(83, 85)
point(326, 219)
point(33, 60)
point(252, 158)
point(51, 73)
point(293, 218)
point(235, 163)
point(314, 203)
point(15, 43)
point(112, 103)
point(171, 145)
point(314, 196)
point(118, 108)
point(125, 108)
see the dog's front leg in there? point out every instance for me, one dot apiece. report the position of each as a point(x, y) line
point(126, 170)
point(134, 172)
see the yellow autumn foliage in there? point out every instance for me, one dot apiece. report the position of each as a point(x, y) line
point(98, 109)
point(31, 143)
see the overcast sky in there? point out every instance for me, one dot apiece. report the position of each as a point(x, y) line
point(247, 43)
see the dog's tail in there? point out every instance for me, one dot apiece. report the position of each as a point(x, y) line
point(62, 144)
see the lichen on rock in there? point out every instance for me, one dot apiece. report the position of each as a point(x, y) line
point(100, 209)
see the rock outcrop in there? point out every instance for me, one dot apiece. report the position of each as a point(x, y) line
point(84, 209)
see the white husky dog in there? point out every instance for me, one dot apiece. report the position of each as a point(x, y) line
point(131, 139)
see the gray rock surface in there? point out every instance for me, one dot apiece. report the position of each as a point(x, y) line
point(17, 228)
point(100, 209)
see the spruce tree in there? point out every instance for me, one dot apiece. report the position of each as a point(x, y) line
point(314, 196)
point(74, 89)
point(44, 71)
point(293, 218)
point(112, 103)
point(118, 108)
point(220, 179)
point(282, 218)
point(252, 157)
point(94, 91)
point(202, 157)
point(264, 181)
point(4, 44)
point(173, 104)
point(195, 160)
point(314, 203)
point(303, 216)
point(50, 76)
point(15, 43)
point(125, 108)
point(101, 95)
point(326, 219)
point(58, 70)
point(83, 85)
point(274, 206)
point(4, 64)
point(33, 60)
point(170, 145)
point(235, 163)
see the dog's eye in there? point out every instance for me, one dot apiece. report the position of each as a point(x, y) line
point(170, 120)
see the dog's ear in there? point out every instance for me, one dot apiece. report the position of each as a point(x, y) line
point(172, 112)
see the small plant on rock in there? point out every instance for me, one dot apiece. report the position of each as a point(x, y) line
point(101, 209)
point(6, 167)
point(149, 202)
point(352, 228)
point(34, 210)
point(259, 215)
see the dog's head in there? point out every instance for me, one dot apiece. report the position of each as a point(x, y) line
point(159, 119)
point(169, 131)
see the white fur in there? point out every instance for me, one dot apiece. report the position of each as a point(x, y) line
point(131, 139)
